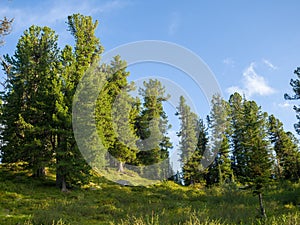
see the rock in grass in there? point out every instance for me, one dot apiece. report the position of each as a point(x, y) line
point(124, 182)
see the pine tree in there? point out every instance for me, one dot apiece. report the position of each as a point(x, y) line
point(189, 133)
point(71, 167)
point(29, 99)
point(83, 120)
point(295, 83)
point(220, 170)
point(257, 150)
point(5, 28)
point(292, 162)
point(193, 170)
point(115, 115)
point(237, 135)
point(124, 148)
point(252, 158)
point(152, 127)
point(286, 151)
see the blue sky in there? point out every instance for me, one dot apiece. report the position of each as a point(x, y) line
point(251, 46)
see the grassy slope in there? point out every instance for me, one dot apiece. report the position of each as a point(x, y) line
point(24, 200)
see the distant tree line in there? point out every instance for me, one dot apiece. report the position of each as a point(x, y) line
point(247, 144)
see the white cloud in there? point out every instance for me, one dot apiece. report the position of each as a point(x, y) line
point(229, 62)
point(269, 64)
point(256, 84)
point(253, 84)
point(285, 105)
point(56, 11)
point(234, 89)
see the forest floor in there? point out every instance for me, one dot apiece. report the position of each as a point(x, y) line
point(26, 200)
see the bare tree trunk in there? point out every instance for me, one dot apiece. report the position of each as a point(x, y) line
point(261, 206)
point(63, 184)
point(40, 172)
point(221, 181)
point(58, 180)
point(121, 167)
point(279, 169)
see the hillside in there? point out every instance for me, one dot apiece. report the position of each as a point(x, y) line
point(25, 200)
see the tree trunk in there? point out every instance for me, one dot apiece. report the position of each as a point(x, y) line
point(279, 169)
point(221, 181)
point(40, 172)
point(58, 180)
point(63, 184)
point(261, 206)
point(121, 167)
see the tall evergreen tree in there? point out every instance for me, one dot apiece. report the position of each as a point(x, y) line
point(5, 28)
point(70, 166)
point(292, 161)
point(152, 127)
point(193, 170)
point(295, 84)
point(286, 151)
point(29, 99)
point(124, 148)
point(115, 115)
point(220, 170)
point(188, 130)
point(189, 133)
point(257, 150)
point(237, 135)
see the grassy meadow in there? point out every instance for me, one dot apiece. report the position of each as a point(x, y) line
point(26, 200)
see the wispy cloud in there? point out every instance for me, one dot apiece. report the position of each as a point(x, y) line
point(234, 89)
point(229, 62)
point(252, 84)
point(285, 105)
point(174, 23)
point(56, 11)
point(269, 64)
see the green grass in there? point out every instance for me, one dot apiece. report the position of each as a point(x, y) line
point(25, 200)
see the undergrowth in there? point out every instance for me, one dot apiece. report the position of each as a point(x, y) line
point(29, 201)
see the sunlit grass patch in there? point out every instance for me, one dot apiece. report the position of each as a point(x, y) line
point(26, 200)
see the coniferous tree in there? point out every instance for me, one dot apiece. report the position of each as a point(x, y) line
point(220, 170)
point(252, 159)
point(70, 166)
point(83, 117)
point(194, 171)
point(293, 159)
point(295, 83)
point(5, 28)
point(124, 147)
point(29, 99)
point(237, 135)
point(152, 127)
point(115, 115)
point(256, 150)
point(286, 151)
point(189, 133)
point(224, 165)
